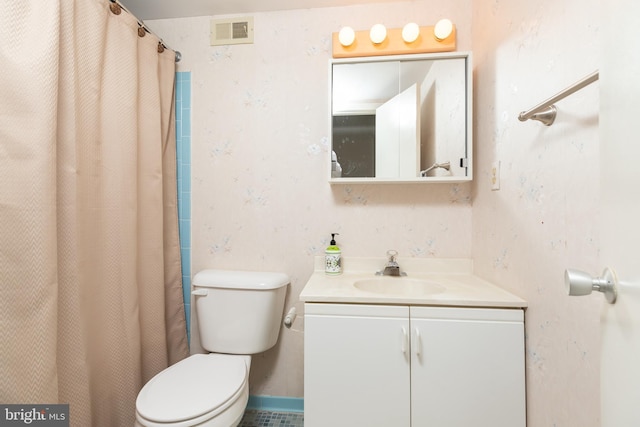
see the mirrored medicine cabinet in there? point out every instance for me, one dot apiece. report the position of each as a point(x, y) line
point(404, 118)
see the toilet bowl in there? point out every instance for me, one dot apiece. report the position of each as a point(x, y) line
point(239, 313)
point(202, 390)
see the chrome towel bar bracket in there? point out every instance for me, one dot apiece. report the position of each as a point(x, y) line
point(545, 112)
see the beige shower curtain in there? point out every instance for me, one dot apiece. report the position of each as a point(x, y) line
point(90, 282)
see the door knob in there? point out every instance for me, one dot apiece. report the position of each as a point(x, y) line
point(580, 283)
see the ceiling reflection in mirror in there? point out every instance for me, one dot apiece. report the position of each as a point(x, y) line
point(401, 119)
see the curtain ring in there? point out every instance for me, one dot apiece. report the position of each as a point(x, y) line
point(160, 47)
point(116, 9)
point(141, 32)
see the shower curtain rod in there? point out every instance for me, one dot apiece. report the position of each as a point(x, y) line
point(545, 112)
point(144, 27)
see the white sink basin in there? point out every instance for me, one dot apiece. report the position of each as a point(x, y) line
point(399, 286)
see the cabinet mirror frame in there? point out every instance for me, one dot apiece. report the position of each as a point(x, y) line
point(461, 166)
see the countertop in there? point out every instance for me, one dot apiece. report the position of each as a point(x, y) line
point(455, 282)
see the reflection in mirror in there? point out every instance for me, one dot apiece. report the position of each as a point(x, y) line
point(401, 119)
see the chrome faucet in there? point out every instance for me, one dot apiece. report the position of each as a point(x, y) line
point(445, 165)
point(392, 268)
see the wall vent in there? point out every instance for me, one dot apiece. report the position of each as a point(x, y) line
point(232, 31)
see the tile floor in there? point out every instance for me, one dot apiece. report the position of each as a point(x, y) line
point(256, 418)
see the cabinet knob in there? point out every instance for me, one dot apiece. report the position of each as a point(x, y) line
point(404, 341)
point(418, 343)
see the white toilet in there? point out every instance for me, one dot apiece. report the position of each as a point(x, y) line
point(239, 314)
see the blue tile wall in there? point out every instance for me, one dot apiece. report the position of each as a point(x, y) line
point(183, 148)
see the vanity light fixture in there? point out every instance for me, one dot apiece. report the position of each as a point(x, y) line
point(347, 36)
point(410, 32)
point(378, 33)
point(443, 29)
point(380, 41)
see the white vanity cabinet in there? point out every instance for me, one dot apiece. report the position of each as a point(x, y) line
point(420, 366)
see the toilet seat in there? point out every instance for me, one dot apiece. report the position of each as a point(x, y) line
point(193, 390)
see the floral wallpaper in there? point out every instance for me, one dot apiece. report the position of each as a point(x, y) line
point(260, 164)
point(543, 219)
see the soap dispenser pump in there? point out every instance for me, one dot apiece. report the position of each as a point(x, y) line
point(333, 262)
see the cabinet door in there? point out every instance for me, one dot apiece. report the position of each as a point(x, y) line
point(356, 366)
point(467, 367)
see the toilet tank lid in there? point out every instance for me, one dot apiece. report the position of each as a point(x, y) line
point(240, 279)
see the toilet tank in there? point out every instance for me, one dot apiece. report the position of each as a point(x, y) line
point(239, 312)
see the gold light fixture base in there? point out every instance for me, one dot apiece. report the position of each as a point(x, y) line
point(393, 44)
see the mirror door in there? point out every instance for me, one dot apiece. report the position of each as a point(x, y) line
point(398, 119)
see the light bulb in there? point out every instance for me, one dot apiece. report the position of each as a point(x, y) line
point(443, 29)
point(410, 32)
point(346, 36)
point(378, 33)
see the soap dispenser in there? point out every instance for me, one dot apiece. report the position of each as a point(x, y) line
point(333, 263)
